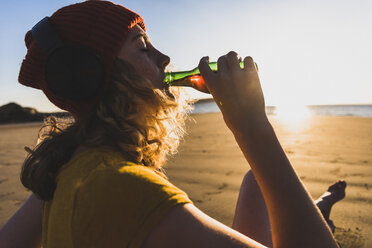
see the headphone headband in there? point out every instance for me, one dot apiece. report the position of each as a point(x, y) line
point(45, 36)
point(72, 71)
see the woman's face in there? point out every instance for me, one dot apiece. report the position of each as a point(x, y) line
point(140, 53)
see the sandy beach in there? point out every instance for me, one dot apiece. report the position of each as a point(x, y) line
point(210, 167)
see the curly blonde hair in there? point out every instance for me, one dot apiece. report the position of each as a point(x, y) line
point(142, 123)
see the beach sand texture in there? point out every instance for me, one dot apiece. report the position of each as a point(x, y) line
point(210, 167)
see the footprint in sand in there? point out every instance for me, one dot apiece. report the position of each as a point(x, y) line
point(228, 173)
point(349, 238)
point(6, 194)
point(3, 180)
point(336, 160)
point(335, 171)
point(213, 193)
point(224, 185)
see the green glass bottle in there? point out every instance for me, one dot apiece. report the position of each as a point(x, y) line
point(191, 78)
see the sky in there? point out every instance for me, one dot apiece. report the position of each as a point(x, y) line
point(308, 52)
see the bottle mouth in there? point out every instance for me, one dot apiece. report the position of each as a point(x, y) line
point(168, 77)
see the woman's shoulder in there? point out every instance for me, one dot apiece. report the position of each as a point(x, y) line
point(126, 200)
point(85, 160)
point(105, 163)
point(132, 179)
point(94, 155)
point(107, 171)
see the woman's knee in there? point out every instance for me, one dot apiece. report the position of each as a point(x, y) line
point(249, 180)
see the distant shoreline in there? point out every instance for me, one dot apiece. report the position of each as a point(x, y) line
point(20, 116)
point(21, 124)
point(208, 100)
point(362, 110)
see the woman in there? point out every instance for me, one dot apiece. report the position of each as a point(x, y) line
point(100, 176)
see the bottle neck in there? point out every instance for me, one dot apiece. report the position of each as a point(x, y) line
point(173, 76)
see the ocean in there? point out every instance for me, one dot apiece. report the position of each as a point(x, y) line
point(363, 110)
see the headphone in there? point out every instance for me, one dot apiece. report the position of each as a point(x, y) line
point(72, 71)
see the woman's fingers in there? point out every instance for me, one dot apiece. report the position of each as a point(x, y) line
point(237, 91)
point(229, 71)
point(249, 64)
point(222, 66)
point(209, 76)
point(204, 68)
point(228, 63)
point(233, 60)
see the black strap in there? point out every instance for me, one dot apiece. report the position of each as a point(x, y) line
point(45, 36)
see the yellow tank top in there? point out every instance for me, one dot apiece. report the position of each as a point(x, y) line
point(103, 201)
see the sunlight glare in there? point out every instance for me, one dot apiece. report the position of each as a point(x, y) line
point(292, 114)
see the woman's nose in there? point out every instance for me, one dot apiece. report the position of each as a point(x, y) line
point(164, 60)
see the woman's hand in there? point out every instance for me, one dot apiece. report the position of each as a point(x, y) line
point(236, 91)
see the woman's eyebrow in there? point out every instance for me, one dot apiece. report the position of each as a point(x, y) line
point(140, 35)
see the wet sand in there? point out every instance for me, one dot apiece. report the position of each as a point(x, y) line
point(210, 167)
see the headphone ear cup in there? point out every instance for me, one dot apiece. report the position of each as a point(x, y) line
point(74, 72)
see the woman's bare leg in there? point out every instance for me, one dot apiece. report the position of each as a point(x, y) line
point(251, 216)
point(23, 229)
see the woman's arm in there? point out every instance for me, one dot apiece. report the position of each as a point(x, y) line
point(185, 226)
point(295, 220)
point(23, 229)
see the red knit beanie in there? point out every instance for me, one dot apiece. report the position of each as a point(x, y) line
point(99, 25)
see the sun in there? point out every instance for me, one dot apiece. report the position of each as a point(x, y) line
point(292, 113)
